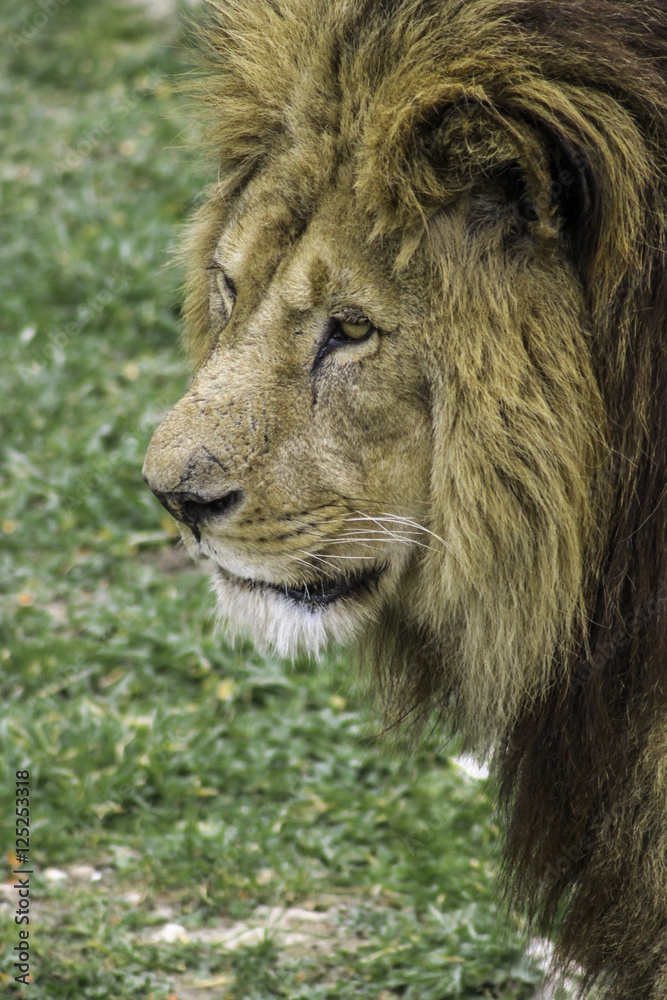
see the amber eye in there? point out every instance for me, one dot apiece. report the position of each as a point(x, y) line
point(356, 331)
point(342, 333)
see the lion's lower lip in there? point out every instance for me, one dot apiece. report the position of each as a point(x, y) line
point(318, 594)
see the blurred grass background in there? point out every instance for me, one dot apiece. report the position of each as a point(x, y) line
point(189, 800)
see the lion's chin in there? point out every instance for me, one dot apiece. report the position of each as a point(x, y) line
point(290, 619)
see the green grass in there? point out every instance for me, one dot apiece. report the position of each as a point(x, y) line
point(195, 784)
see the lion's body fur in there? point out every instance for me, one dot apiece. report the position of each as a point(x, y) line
point(489, 177)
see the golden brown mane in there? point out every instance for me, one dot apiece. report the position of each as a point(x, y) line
point(563, 105)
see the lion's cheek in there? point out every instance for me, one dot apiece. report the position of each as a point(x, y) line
point(370, 437)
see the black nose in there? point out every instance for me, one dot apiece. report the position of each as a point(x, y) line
point(193, 509)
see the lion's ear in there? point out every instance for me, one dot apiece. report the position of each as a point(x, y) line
point(571, 188)
point(575, 193)
point(529, 160)
point(512, 181)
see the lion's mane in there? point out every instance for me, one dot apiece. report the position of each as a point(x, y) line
point(575, 91)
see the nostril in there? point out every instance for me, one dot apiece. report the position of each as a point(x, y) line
point(193, 509)
point(197, 509)
point(223, 504)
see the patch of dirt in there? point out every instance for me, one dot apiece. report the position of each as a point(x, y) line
point(295, 930)
point(320, 927)
point(314, 929)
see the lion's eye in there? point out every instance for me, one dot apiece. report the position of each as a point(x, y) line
point(346, 331)
point(356, 331)
point(225, 285)
point(222, 296)
point(340, 332)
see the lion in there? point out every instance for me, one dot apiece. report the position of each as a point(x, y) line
point(426, 308)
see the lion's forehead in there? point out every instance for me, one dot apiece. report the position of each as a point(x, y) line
point(296, 249)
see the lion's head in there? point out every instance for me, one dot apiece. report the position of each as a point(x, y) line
point(425, 308)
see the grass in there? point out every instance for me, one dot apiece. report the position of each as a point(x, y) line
point(183, 793)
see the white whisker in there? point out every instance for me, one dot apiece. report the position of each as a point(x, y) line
point(372, 541)
point(312, 555)
point(384, 534)
point(397, 519)
point(325, 560)
point(303, 562)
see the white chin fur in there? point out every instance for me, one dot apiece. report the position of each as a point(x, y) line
point(278, 623)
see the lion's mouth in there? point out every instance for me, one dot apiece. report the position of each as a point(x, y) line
point(317, 594)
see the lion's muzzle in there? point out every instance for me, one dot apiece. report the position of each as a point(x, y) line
point(189, 481)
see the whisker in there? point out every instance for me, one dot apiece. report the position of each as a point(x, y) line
point(312, 555)
point(397, 519)
point(384, 528)
point(303, 562)
point(371, 536)
point(324, 560)
point(388, 536)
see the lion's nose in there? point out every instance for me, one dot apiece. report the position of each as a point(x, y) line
point(193, 509)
